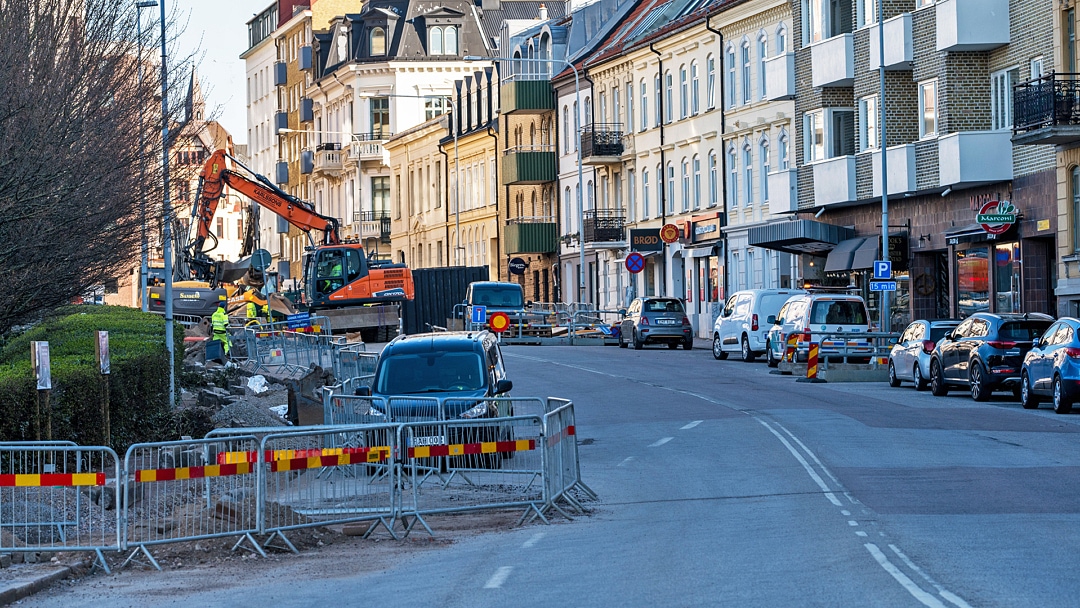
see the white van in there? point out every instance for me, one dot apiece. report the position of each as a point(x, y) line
point(816, 312)
point(743, 325)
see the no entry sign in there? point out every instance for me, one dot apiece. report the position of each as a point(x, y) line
point(635, 262)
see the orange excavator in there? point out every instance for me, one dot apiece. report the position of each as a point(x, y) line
point(337, 274)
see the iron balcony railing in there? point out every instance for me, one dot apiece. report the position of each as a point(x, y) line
point(605, 226)
point(602, 139)
point(1050, 101)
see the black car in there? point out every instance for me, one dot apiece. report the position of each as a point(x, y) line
point(985, 353)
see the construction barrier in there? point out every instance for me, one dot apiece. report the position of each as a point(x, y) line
point(55, 495)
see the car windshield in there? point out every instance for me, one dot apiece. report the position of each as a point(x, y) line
point(843, 312)
point(435, 372)
point(772, 302)
point(663, 306)
point(1023, 330)
point(937, 333)
point(498, 296)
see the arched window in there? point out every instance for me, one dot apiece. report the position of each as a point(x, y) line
point(730, 76)
point(694, 88)
point(697, 182)
point(451, 40)
point(733, 178)
point(644, 105)
point(784, 151)
point(710, 82)
point(763, 52)
point(685, 185)
point(532, 134)
point(435, 41)
point(645, 194)
point(781, 39)
point(533, 209)
point(566, 130)
point(763, 168)
point(378, 42)
point(630, 106)
point(746, 71)
point(713, 181)
point(670, 187)
point(669, 96)
point(748, 172)
point(483, 246)
point(587, 118)
point(566, 208)
point(589, 193)
point(1076, 207)
point(684, 93)
point(656, 100)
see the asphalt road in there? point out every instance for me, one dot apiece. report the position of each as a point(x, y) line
point(721, 484)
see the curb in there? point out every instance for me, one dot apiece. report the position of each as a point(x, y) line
point(22, 590)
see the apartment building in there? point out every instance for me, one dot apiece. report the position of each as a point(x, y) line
point(417, 163)
point(259, 59)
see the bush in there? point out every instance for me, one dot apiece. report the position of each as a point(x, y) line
point(138, 382)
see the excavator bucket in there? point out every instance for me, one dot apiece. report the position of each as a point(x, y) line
point(232, 272)
point(280, 304)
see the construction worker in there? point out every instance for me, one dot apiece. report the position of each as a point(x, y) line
point(219, 323)
point(252, 313)
point(330, 274)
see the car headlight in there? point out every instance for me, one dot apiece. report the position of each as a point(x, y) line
point(479, 411)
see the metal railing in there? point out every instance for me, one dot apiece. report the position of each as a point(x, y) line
point(529, 148)
point(604, 225)
point(1052, 100)
point(601, 139)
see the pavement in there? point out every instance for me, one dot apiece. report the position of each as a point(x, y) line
point(20, 581)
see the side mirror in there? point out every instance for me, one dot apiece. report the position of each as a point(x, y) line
point(770, 320)
point(622, 312)
point(362, 391)
point(503, 386)
point(950, 336)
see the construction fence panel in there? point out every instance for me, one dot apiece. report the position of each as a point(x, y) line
point(190, 490)
point(562, 425)
point(327, 476)
point(55, 495)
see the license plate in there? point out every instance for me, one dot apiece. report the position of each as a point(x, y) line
point(665, 321)
point(435, 440)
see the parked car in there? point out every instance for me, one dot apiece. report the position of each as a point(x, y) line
point(743, 325)
point(910, 356)
point(656, 320)
point(817, 311)
point(985, 353)
point(1052, 367)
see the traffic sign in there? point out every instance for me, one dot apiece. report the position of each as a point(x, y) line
point(635, 262)
point(479, 314)
point(260, 259)
point(300, 319)
point(882, 285)
point(669, 233)
point(882, 270)
point(498, 322)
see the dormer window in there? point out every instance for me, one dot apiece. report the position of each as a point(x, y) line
point(378, 42)
point(443, 40)
point(435, 41)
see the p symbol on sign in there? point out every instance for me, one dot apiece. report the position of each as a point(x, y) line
point(882, 269)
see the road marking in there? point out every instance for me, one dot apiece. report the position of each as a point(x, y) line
point(532, 541)
point(661, 442)
point(951, 597)
point(905, 582)
point(628, 459)
point(845, 513)
point(691, 425)
point(498, 578)
point(860, 533)
point(852, 523)
point(806, 465)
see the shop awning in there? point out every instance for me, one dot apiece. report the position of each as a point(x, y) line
point(972, 233)
point(842, 256)
point(866, 254)
point(798, 236)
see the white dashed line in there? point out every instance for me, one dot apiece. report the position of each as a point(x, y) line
point(908, 584)
point(532, 541)
point(809, 470)
point(861, 533)
point(661, 442)
point(852, 523)
point(691, 425)
point(846, 513)
point(948, 595)
point(628, 459)
point(498, 578)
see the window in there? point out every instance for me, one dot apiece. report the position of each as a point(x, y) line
point(603, 107)
point(631, 195)
point(644, 105)
point(588, 111)
point(685, 185)
point(378, 42)
point(923, 3)
point(577, 126)
point(1001, 86)
point(928, 108)
point(763, 168)
point(644, 194)
point(823, 19)
point(566, 130)
point(785, 148)
point(733, 179)
point(710, 82)
point(746, 71)
point(670, 188)
point(814, 136)
point(435, 105)
point(380, 194)
point(868, 121)
point(1037, 69)
point(763, 52)
point(781, 39)
point(697, 182)
point(695, 90)
point(1070, 41)
point(867, 11)
point(451, 40)
point(713, 181)
point(748, 173)
point(684, 94)
point(221, 227)
point(841, 132)
point(616, 106)
point(656, 100)
point(435, 41)
point(813, 21)
point(669, 96)
point(240, 229)
point(1076, 208)
point(731, 77)
point(380, 117)
point(630, 107)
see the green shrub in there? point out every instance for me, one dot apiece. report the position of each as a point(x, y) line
point(138, 382)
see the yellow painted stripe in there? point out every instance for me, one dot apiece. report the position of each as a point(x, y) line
point(27, 481)
point(422, 451)
point(457, 449)
point(523, 445)
point(487, 447)
point(84, 479)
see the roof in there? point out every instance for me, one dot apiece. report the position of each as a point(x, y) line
point(491, 21)
point(433, 342)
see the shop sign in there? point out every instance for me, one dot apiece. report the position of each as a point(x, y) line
point(645, 239)
point(669, 233)
point(706, 230)
point(898, 251)
point(996, 217)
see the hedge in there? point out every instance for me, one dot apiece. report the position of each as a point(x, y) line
point(138, 382)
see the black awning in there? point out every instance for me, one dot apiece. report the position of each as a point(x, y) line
point(974, 233)
point(798, 236)
point(866, 254)
point(841, 257)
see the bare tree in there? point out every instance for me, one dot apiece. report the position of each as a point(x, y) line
point(71, 113)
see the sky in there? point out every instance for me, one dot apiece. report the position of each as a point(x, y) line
point(217, 30)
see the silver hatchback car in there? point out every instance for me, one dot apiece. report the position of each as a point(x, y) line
point(910, 356)
point(656, 320)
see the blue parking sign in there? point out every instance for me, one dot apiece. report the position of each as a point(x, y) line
point(882, 270)
point(479, 314)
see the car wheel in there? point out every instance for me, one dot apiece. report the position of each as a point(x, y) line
point(747, 354)
point(717, 348)
point(893, 380)
point(688, 345)
point(937, 381)
point(769, 358)
point(622, 344)
point(917, 377)
point(1027, 396)
point(1062, 403)
point(979, 390)
point(638, 344)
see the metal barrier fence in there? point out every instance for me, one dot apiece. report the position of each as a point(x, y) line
point(278, 345)
point(849, 347)
point(55, 495)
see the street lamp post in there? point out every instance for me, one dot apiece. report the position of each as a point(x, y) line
point(144, 257)
point(166, 234)
point(580, 173)
point(886, 320)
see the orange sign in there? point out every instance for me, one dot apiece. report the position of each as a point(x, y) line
point(498, 322)
point(669, 233)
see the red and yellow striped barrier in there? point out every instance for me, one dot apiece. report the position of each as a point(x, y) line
point(569, 431)
point(465, 449)
point(812, 361)
point(353, 456)
point(55, 480)
point(182, 473)
point(375, 452)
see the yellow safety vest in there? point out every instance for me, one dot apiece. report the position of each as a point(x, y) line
point(251, 310)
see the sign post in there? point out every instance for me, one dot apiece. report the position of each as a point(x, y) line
point(101, 353)
point(39, 359)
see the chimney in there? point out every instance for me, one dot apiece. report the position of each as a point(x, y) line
point(490, 5)
point(543, 13)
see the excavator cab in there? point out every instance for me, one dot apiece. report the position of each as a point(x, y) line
point(332, 276)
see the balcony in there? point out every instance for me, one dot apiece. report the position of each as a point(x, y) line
point(307, 109)
point(1047, 110)
point(281, 74)
point(304, 58)
point(601, 144)
point(524, 165)
point(373, 224)
point(833, 62)
point(901, 168)
point(834, 181)
point(526, 94)
point(307, 162)
point(898, 45)
point(780, 77)
point(975, 157)
point(972, 25)
point(605, 228)
point(281, 121)
point(783, 191)
point(329, 159)
point(531, 235)
point(369, 147)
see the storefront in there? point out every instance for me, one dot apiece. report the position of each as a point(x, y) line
point(986, 262)
point(850, 264)
point(703, 267)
